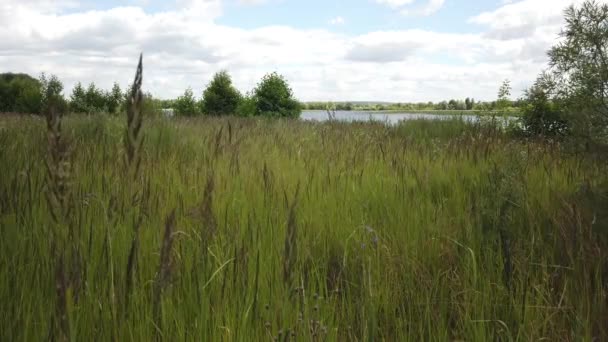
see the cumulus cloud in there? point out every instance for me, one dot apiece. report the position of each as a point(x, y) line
point(522, 19)
point(185, 45)
point(429, 8)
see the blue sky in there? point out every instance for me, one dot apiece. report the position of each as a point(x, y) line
point(386, 50)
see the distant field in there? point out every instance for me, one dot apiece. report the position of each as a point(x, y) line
point(257, 229)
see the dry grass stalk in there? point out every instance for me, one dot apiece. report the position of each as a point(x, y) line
point(58, 168)
point(61, 205)
point(134, 139)
point(133, 142)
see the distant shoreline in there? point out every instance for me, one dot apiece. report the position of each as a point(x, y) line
point(431, 111)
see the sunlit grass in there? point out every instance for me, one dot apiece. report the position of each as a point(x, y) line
point(425, 231)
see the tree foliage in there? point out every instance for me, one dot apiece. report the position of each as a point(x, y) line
point(186, 105)
point(504, 95)
point(579, 66)
point(274, 97)
point(51, 92)
point(220, 97)
point(543, 113)
point(20, 93)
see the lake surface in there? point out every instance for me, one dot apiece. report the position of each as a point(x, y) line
point(389, 118)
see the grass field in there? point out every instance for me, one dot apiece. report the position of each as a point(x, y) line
point(250, 229)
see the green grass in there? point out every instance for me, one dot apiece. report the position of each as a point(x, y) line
point(423, 231)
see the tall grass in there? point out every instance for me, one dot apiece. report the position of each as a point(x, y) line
point(254, 229)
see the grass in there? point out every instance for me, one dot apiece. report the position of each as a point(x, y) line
point(254, 229)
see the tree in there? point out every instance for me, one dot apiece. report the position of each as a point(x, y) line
point(452, 104)
point(95, 99)
point(541, 115)
point(220, 97)
point(504, 94)
point(247, 106)
point(579, 65)
point(469, 103)
point(51, 90)
point(113, 99)
point(186, 104)
point(274, 97)
point(77, 99)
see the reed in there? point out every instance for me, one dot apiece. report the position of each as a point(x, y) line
point(308, 231)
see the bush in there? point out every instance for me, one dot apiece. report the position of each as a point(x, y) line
point(247, 106)
point(20, 93)
point(186, 104)
point(274, 97)
point(220, 97)
point(542, 115)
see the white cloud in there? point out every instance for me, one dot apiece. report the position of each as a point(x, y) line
point(185, 46)
point(429, 8)
point(252, 2)
point(395, 3)
point(337, 21)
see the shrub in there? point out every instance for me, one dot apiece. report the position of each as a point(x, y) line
point(247, 106)
point(541, 114)
point(186, 104)
point(274, 97)
point(220, 97)
point(19, 93)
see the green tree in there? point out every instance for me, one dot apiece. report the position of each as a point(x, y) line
point(113, 99)
point(13, 88)
point(274, 97)
point(579, 65)
point(504, 94)
point(186, 105)
point(78, 99)
point(247, 106)
point(27, 96)
point(95, 99)
point(51, 89)
point(541, 114)
point(220, 97)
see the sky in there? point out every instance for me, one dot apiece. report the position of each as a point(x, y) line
point(328, 50)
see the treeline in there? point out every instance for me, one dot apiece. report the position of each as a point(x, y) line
point(20, 93)
point(503, 104)
point(453, 104)
point(271, 97)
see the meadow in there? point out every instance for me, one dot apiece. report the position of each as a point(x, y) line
point(241, 229)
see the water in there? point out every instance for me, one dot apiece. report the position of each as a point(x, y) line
point(389, 118)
